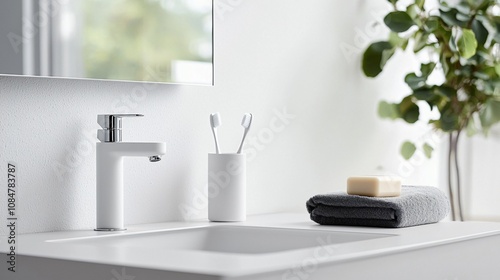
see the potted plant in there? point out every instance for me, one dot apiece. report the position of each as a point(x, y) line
point(461, 40)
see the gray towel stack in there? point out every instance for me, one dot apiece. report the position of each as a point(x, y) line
point(415, 206)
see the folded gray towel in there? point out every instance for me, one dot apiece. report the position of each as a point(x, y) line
point(415, 206)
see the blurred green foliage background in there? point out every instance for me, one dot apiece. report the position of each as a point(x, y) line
point(138, 39)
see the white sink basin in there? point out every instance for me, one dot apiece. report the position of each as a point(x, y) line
point(225, 239)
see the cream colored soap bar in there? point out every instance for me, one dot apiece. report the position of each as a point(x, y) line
point(377, 186)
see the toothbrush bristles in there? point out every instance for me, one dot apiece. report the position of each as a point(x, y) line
point(215, 119)
point(247, 120)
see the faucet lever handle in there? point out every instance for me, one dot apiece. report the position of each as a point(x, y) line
point(112, 126)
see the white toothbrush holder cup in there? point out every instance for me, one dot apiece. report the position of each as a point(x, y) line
point(226, 187)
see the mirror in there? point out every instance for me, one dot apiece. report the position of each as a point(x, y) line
point(168, 41)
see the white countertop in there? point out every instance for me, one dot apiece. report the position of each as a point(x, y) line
point(228, 264)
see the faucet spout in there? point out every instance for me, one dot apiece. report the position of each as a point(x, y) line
point(134, 149)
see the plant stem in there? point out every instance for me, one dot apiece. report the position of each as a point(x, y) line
point(457, 174)
point(450, 186)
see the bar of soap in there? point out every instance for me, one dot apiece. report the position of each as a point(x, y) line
point(375, 186)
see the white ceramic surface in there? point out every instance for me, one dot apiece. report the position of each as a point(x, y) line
point(265, 247)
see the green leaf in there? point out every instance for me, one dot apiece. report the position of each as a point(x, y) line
point(490, 114)
point(431, 24)
point(463, 8)
point(489, 71)
point(492, 86)
point(427, 69)
point(481, 5)
point(480, 32)
point(434, 102)
point(408, 150)
point(497, 69)
point(388, 110)
point(471, 128)
point(467, 44)
point(427, 150)
point(386, 55)
point(444, 64)
point(398, 21)
point(415, 81)
point(420, 41)
point(482, 56)
point(444, 7)
point(413, 11)
point(449, 16)
point(496, 25)
point(445, 91)
point(481, 75)
point(420, 3)
point(424, 93)
point(452, 44)
point(448, 119)
point(408, 110)
point(372, 58)
point(463, 17)
point(397, 41)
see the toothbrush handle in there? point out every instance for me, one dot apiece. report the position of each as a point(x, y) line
point(216, 141)
point(242, 141)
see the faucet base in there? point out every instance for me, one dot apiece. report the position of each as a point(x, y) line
point(109, 179)
point(110, 229)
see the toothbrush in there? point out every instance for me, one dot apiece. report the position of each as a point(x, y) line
point(214, 123)
point(246, 122)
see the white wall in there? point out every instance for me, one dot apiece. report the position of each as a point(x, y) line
point(480, 176)
point(271, 56)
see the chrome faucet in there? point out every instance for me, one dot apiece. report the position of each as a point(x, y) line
point(110, 152)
